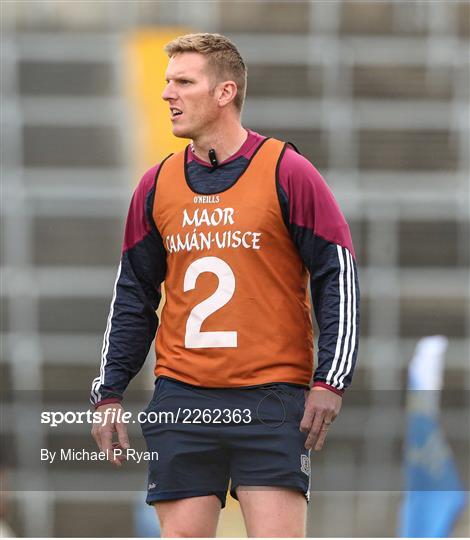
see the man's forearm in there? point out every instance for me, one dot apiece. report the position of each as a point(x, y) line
point(130, 330)
point(336, 303)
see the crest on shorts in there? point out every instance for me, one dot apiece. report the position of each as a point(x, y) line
point(305, 464)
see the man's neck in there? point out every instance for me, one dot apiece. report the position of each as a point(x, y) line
point(226, 142)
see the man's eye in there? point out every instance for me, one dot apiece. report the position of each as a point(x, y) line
point(184, 81)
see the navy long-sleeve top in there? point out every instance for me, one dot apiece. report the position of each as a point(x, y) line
point(317, 228)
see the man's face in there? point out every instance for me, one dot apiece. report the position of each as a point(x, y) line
point(190, 95)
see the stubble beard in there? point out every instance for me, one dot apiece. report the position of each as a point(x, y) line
point(200, 127)
point(186, 133)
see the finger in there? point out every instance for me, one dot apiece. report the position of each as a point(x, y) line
point(107, 443)
point(96, 435)
point(315, 430)
point(317, 423)
point(106, 433)
point(119, 454)
point(321, 439)
point(327, 421)
point(309, 441)
point(307, 418)
point(123, 438)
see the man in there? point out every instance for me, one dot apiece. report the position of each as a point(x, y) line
point(235, 225)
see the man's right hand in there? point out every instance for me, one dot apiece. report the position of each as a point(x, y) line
point(103, 431)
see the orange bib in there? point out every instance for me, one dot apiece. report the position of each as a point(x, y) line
point(237, 309)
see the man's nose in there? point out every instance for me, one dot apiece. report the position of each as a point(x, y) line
point(168, 92)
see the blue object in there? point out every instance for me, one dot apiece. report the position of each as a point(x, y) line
point(434, 495)
point(146, 523)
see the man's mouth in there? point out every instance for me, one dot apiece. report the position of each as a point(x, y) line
point(175, 112)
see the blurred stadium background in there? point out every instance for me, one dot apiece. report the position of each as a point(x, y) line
point(375, 94)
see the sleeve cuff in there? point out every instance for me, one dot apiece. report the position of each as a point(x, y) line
point(107, 401)
point(328, 387)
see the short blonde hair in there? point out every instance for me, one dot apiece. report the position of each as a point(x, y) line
point(222, 56)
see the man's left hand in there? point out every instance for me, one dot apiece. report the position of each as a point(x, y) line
point(322, 406)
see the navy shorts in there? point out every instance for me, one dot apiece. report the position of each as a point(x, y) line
point(206, 438)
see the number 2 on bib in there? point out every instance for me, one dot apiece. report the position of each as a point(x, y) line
point(194, 338)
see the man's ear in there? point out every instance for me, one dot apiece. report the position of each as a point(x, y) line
point(227, 92)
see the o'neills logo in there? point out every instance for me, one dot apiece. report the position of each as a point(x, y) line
point(198, 240)
point(198, 199)
point(305, 464)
